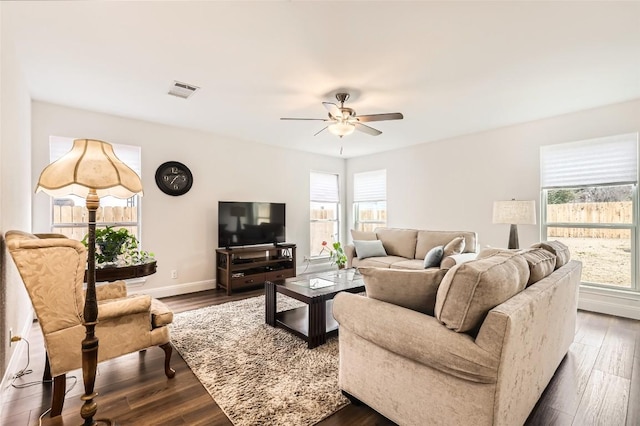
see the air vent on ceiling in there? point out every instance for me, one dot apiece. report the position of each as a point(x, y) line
point(182, 90)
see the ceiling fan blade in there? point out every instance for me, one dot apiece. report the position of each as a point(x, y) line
point(368, 130)
point(380, 117)
point(333, 109)
point(320, 131)
point(307, 119)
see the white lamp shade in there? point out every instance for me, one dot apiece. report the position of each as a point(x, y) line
point(342, 128)
point(514, 212)
point(91, 164)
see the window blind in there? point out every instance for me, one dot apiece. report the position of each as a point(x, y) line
point(609, 160)
point(370, 186)
point(128, 154)
point(324, 187)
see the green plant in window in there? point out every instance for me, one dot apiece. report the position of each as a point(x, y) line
point(114, 246)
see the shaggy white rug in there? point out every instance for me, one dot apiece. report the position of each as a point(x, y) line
point(257, 374)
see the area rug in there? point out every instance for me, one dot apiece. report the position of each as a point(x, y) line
point(256, 373)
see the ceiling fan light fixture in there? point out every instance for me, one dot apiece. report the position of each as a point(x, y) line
point(342, 128)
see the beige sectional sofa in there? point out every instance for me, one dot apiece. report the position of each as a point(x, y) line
point(407, 248)
point(474, 345)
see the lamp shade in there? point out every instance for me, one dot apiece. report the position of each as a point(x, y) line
point(342, 128)
point(90, 165)
point(514, 212)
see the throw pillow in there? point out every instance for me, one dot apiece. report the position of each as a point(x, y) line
point(470, 290)
point(541, 263)
point(411, 289)
point(560, 250)
point(366, 249)
point(433, 257)
point(363, 235)
point(455, 246)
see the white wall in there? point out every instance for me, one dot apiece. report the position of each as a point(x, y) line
point(452, 184)
point(15, 194)
point(182, 231)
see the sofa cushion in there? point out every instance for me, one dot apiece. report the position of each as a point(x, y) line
point(541, 263)
point(363, 235)
point(415, 290)
point(372, 248)
point(560, 250)
point(470, 290)
point(426, 240)
point(455, 246)
point(398, 242)
point(377, 262)
point(490, 251)
point(408, 264)
point(433, 257)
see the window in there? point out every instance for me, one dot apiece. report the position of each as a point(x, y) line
point(589, 202)
point(69, 215)
point(370, 200)
point(325, 211)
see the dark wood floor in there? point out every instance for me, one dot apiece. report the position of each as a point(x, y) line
point(598, 383)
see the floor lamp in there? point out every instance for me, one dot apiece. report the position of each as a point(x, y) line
point(90, 170)
point(514, 213)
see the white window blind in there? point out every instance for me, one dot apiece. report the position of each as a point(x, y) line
point(324, 187)
point(370, 186)
point(608, 160)
point(128, 154)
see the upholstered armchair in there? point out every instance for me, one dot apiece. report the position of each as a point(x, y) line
point(52, 268)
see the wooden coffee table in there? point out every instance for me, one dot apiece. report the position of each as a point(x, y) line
point(313, 322)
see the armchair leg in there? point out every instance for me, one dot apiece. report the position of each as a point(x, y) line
point(170, 372)
point(59, 388)
point(46, 377)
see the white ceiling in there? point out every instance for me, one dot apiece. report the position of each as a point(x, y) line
point(451, 68)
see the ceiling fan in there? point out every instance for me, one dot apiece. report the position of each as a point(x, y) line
point(344, 120)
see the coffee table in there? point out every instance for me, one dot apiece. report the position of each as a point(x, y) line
point(313, 322)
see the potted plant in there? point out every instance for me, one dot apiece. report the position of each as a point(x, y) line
point(113, 246)
point(336, 253)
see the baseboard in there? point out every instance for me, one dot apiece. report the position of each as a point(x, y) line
point(173, 290)
point(616, 303)
point(17, 358)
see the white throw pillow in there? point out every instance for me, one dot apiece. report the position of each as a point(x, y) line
point(372, 248)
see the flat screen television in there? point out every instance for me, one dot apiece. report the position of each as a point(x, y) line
point(250, 223)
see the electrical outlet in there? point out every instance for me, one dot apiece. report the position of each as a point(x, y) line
point(307, 258)
point(174, 274)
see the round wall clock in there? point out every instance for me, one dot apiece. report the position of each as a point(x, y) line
point(174, 178)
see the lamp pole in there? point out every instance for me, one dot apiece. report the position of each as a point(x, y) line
point(90, 342)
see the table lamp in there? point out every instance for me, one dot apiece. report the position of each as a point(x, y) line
point(90, 170)
point(514, 212)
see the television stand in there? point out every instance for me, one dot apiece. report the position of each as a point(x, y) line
point(246, 267)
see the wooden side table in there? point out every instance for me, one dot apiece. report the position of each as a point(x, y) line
point(115, 273)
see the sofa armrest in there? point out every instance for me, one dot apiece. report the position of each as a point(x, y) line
point(350, 252)
point(449, 262)
point(114, 290)
point(116, 308)
point(416, 336)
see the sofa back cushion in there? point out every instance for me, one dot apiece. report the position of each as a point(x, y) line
point(363, 235)
point(399, 242)
point(470, 290)
point(411, 289)
point(541, 263)
point(426, 240)
point(560, 250)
